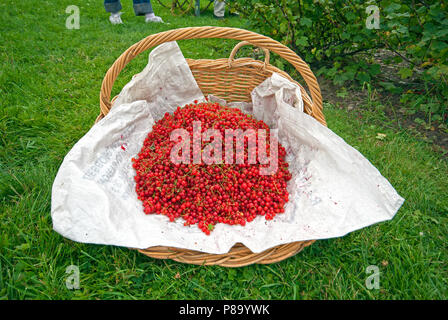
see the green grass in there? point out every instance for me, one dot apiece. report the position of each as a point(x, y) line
point(50, 79)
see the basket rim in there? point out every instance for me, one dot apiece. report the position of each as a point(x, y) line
point(212, 32)
point(237, 256)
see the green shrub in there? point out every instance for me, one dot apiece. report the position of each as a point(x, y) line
point(334, 37)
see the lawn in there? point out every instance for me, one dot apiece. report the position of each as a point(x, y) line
point(50, 79)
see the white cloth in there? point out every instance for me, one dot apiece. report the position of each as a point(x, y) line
point(334, 189)
point(219, 8)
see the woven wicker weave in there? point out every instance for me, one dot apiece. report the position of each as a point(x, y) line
point(232, 80)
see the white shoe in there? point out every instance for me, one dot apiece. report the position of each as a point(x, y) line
point(115, 18)
point(153, 19)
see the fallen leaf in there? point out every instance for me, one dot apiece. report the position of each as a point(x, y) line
point(380, 136)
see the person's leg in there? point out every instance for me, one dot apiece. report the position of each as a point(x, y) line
point(112, 6)
point(219, 8)
point(143, 7)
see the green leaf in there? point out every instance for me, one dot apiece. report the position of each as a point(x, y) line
point(283, 27)
point(306, 22)
point(363, 77)
point(374, 69)
point(392, 7)
point(419, 121)
point(349, 74)
point(321, 71)
point(279, 64)
point(343, 93)
point(405, 73)
point(302, 41)
point(434, 107)
point(358, 38)
point(350, 15)
point(23, 246)
point(345, 35)
point(439, 45)
point(441, 33)
point(437, 71)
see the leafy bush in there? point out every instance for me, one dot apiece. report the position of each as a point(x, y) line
point(334, 36)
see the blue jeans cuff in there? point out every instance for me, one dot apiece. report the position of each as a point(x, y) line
point(112, 7)
point(141, 9)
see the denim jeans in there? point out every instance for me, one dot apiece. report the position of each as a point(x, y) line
point(141, 7)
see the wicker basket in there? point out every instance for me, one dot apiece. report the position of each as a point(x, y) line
point(232, 80)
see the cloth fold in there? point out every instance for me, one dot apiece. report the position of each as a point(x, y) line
point(334, 189)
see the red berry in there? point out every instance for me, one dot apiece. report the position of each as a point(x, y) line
point(207, 194)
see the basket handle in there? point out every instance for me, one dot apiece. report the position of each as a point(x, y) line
point(212, 32)
point(245, 43)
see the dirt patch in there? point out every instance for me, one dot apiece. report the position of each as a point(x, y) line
point(356, 99)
